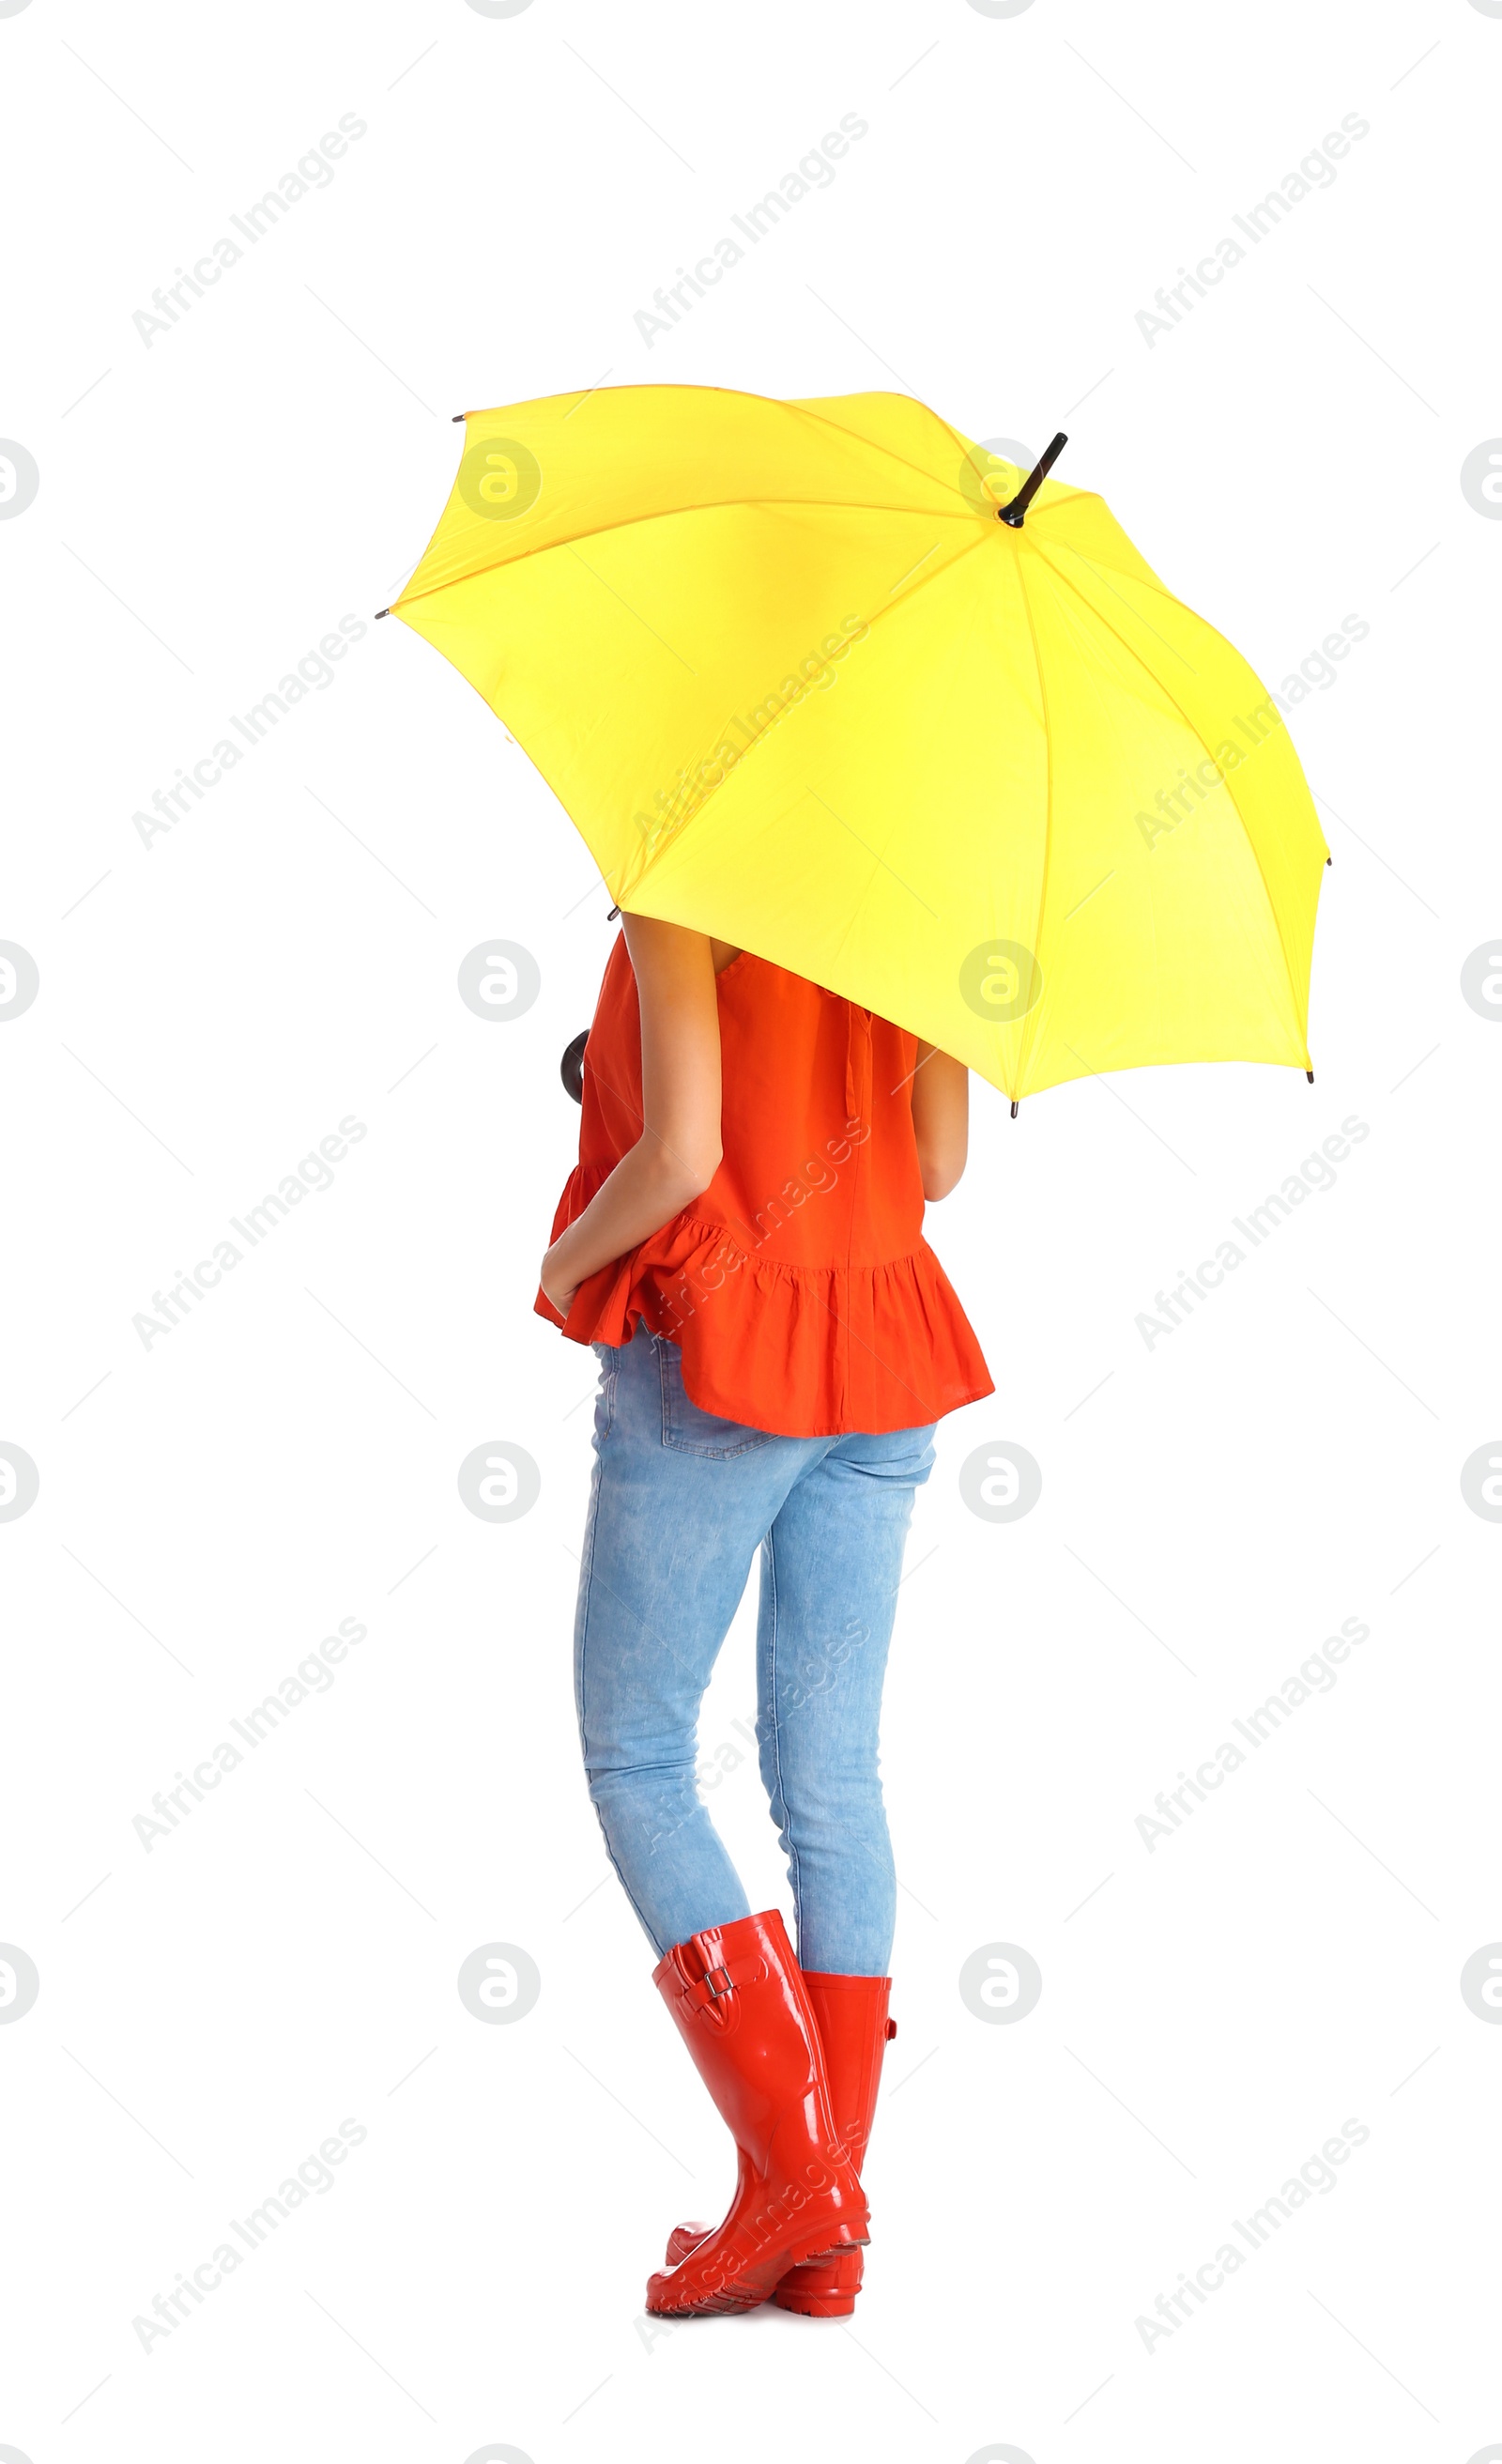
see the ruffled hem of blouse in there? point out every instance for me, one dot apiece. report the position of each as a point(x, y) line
point(803, 1351)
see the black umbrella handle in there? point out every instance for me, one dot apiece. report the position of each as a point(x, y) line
point(571, 1068)
point(1016, 513)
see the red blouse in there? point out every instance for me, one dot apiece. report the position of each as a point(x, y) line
point(799, 1286)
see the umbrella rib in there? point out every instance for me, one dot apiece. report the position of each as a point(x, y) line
point(805, 411)
point(961, 444)
point(670, 513)
point(1028, 1032)
point(1131, 573)
point(1151, 582)
point(1103, 573)
point(1277, 925)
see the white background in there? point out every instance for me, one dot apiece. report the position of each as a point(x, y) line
point(212, 1005)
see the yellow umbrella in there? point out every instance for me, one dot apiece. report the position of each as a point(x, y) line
point(827, 680)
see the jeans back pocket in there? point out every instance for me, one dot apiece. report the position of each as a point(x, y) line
point(689, 1430)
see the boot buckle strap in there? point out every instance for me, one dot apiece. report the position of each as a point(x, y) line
point(718, 1981)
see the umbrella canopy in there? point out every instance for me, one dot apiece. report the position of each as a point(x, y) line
point(800, 686)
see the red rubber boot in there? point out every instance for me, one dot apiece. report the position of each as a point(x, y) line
point(853, 2030)
point(741, 2005)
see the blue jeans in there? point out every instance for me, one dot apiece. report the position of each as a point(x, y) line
point(680, 1502)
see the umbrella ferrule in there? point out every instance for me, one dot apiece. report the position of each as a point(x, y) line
point(1016, 513)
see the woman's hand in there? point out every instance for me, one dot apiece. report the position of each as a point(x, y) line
point(555, 1283)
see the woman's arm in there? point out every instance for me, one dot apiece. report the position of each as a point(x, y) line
point(940, 1118)
point(678, 1152)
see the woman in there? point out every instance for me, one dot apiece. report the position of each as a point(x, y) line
point(742, 1243)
